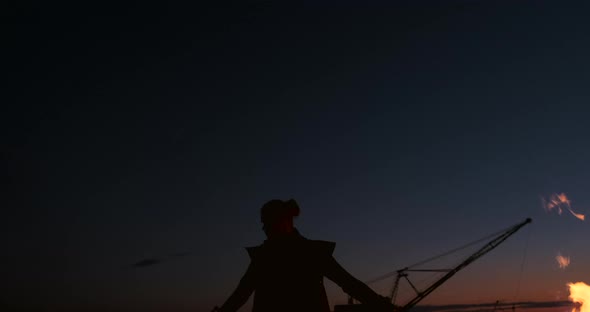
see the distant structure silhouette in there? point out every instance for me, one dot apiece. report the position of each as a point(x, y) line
point(286, 272)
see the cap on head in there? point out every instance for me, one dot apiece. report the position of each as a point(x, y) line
point(277, 210)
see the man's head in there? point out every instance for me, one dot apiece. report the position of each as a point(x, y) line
point(277, 217)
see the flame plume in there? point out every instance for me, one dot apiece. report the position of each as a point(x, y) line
point(580, 293)
point(560, 202)
point(562, 261)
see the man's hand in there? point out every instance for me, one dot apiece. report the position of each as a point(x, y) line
point(385, 305)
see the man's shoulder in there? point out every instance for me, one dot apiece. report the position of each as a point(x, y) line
point(318, 247)
point(253, 251)
point(324, 247)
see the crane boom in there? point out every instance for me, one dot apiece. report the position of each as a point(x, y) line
point(403, 273)
point(482, 251)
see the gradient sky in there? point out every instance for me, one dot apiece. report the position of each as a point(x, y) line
point(402, 129)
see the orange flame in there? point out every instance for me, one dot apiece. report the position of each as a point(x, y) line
point(557, 201)
point(562, 261)
point(580, 293)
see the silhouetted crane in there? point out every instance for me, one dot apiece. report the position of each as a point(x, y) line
point(495, 240)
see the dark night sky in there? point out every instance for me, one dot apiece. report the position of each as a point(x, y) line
point(403, 129)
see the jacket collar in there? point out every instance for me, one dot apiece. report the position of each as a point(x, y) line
point(288, 238)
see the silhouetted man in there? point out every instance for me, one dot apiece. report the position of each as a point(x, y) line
point(286, 272)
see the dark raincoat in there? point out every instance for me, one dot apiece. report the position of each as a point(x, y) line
point(287, 275)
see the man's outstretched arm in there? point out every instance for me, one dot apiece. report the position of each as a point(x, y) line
point(241, 294)
point(357, 289)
